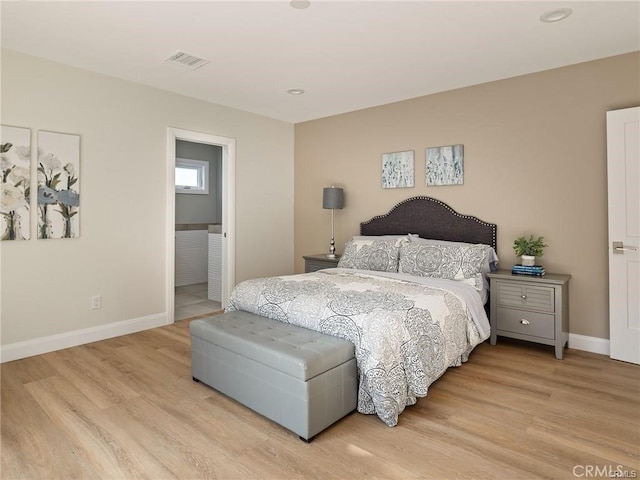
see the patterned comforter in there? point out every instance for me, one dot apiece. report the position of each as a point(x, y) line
point(406, 330)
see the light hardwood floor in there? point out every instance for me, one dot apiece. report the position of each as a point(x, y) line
point(126, 408)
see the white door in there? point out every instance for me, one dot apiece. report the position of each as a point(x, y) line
point(623, 168)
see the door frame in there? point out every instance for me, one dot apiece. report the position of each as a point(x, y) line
point(228, 146)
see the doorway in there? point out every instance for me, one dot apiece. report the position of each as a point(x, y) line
point(222, 220)
point(198, 225)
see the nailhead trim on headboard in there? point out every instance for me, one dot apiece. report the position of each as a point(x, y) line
point(431, 218)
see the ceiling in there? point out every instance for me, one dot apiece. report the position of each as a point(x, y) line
point(346, 55)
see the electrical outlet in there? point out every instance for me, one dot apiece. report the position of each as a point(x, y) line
point(96, 302)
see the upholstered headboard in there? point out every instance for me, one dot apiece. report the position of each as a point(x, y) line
point(431, 218)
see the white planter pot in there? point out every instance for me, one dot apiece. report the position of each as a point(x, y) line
point(528, 260)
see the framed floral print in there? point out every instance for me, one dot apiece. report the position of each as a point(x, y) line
point(15, 167)
point(58, 185)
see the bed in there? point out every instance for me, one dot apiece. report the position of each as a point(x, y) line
point(409, 293)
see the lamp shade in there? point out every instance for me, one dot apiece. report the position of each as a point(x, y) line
point(332, 197)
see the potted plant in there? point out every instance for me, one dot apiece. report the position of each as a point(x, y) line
point(529, 249)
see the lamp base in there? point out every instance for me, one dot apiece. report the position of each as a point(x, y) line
point(332, 248)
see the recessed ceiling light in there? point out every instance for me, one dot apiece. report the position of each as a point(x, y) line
point(300, 4)
point(555, 15)
point(295, 91)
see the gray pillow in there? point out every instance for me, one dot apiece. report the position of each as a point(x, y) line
point(371, 253)
point(492, 257)
point(462, 262)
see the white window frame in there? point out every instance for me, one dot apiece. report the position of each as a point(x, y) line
point(202, 167)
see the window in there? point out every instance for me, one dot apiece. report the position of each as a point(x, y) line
point(192, 176)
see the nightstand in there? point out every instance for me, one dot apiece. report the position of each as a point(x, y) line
point(318, 262)
point(530, 308)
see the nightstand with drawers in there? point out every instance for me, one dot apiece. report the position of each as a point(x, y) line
point(535, 309)
point(318, 262)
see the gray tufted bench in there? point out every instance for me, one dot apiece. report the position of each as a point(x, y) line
point(299, 378)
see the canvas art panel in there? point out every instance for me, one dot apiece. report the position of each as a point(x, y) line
point(15, 165)
point(445, 165)
point(58, 185)
point(398, 169)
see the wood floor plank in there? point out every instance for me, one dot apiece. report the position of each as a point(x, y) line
point(184, 451)
point(127, 408)
point(31, 445)
point(89, 377)
point(29, 369)
point(328, 456)
point(592, 445)
point(109, 451)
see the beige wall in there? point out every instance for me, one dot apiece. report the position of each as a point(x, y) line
point(550, 126)
point(534, 159)
point(121, 253)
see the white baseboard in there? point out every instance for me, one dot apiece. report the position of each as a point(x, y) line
point(589, 344)
point(37, 346)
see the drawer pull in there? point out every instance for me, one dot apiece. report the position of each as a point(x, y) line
point(523, 297)
point(524, 322)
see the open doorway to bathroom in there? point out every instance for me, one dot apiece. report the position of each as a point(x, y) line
point(198, 224)
point(200, 268)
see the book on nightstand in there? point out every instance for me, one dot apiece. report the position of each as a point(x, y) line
point(533, 270)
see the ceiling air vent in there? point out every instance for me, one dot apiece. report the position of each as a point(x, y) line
point(186, 60)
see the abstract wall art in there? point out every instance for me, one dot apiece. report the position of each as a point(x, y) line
point(398, 169)
point(445, 165)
